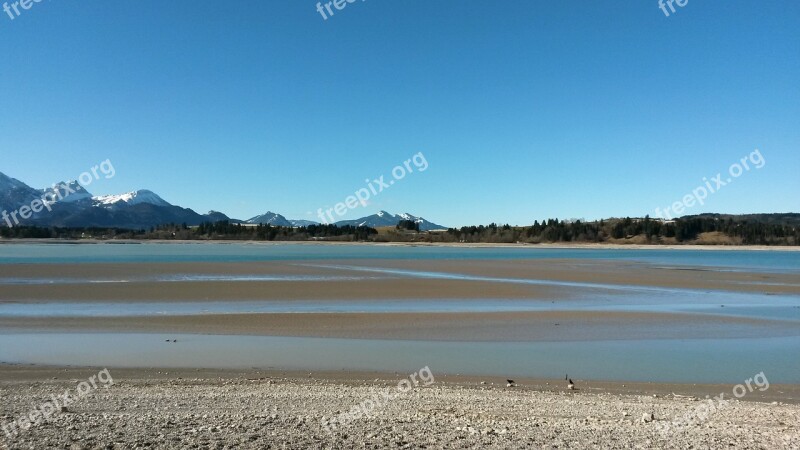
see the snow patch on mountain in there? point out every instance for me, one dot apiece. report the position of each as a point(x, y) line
point(66, 192)
point(131, 198)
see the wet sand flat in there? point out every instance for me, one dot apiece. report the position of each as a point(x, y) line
point(376, 282)
point(145, 280)
point(557, 326)
point(609, 272)
point(385, 289)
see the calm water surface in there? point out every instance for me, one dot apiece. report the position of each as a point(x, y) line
point(696, 360)
point(678, 360)
point(86, 253)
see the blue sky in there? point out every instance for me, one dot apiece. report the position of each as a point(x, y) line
point(523, 109)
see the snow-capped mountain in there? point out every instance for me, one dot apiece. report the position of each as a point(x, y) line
point(379, 219)
point(66, 192)
point(71, 205)
point(132, 198)
point(270, 218)
point(386, 219)
point(424, 224)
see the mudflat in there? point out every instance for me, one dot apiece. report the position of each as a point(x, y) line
point(372, 282)
point(162, 281)
point(487, 326)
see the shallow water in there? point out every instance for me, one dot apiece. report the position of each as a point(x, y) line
point(771, 307)
point(696, 360)
point(775, 261)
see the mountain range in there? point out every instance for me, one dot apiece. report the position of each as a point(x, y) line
point(68, 204)
point(385, 219)
point(380, 219)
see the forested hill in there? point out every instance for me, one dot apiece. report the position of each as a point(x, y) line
point(714, 229)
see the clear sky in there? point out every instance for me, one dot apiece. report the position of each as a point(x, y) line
point(523, 109)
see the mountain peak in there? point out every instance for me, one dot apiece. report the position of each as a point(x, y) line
point(270, 218)
point(70, 192)
point(132, 198)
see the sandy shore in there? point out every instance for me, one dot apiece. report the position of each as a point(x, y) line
point(214, 409)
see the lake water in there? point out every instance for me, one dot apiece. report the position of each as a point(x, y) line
point(677, 360)
point(776, 261)
point(689, 361)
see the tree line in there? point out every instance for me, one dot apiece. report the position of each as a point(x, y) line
point(706, 229)
point(711, 230)
point(223, 230)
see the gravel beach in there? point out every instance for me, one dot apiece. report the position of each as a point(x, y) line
point(254, 410)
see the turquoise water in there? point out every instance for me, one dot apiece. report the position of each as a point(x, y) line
point(776, 261)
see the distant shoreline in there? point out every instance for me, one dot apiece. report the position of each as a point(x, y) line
point(564, 246)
